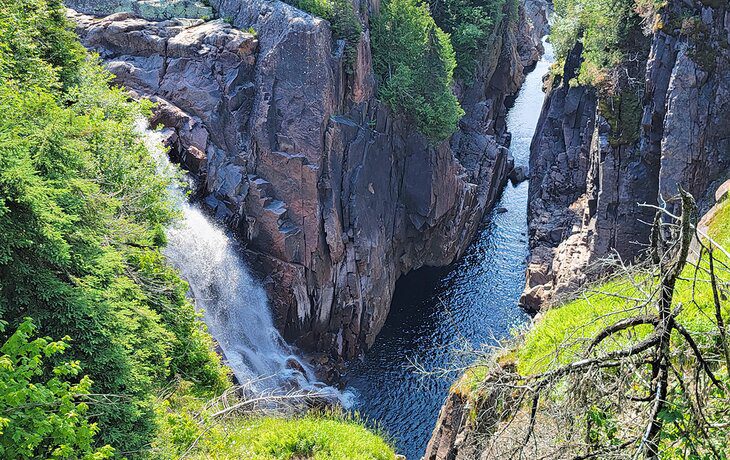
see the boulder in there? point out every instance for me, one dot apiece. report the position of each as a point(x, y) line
point(518, 175)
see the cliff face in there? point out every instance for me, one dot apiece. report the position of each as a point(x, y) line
point(588, 178)
point(335, 197)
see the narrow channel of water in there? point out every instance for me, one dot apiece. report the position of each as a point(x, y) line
point(436, 312)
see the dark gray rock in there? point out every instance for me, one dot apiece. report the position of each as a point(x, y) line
point(519, 174)
point(334, 195)
point(585, 187)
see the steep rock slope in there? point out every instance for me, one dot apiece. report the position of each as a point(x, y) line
point(589, 176)
point(334, 196)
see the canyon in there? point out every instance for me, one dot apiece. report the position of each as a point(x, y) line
point(594, 168)
point(336, 198)
point(435, 229)
point(333, 195)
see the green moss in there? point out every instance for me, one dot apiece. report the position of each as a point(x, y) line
point(555, 339)
point(471, 379)
point(623, 113)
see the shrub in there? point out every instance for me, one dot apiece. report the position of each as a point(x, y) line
point(81, 208)
point(415, 62)
point(36, 44)
point(43, 417)
point(607, 29)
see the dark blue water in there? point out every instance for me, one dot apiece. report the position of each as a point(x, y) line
point(438, 312)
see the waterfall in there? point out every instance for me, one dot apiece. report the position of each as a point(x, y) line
point(233, 303)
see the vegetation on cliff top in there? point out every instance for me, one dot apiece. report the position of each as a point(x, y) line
point(413, 57)
point(343, 19)
point(607, 29)
point(471, 25)
point(98, 341)
point(415, 63)
point(614, 53)
point(637, 363)
point(82, 210)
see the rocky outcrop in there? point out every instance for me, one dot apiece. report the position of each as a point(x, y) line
point(559, 166)
point(588, 177)
point(156, 10)
point(451, 426)
point(334, 196)
point(470, 417)
point(533, 24)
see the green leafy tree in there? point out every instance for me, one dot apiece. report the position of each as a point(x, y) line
point(471, 24)
point(608, 30)
point(42, 416)
point(415, 63)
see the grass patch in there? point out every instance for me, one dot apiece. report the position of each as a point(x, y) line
point(187, 429)
point(317, 437)
point(559, 337)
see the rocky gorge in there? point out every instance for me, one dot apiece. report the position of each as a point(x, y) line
point(334, 196)
point(596, 159)
point(365, 229)
point(599, 161)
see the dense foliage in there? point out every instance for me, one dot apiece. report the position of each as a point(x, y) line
point(415, 63)
point(608, 30)
point(471, 24)
point(41, 415)
point(81, 216)
point(36, 45)
point(614, 53)
point(82, 212)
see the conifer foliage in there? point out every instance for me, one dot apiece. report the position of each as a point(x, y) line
point(81, 216)
point(415, 62)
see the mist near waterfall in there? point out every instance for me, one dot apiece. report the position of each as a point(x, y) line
point(233, 304)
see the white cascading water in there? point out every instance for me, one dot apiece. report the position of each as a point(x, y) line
point(234, 305)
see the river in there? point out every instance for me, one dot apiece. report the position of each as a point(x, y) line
point(435, 313)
